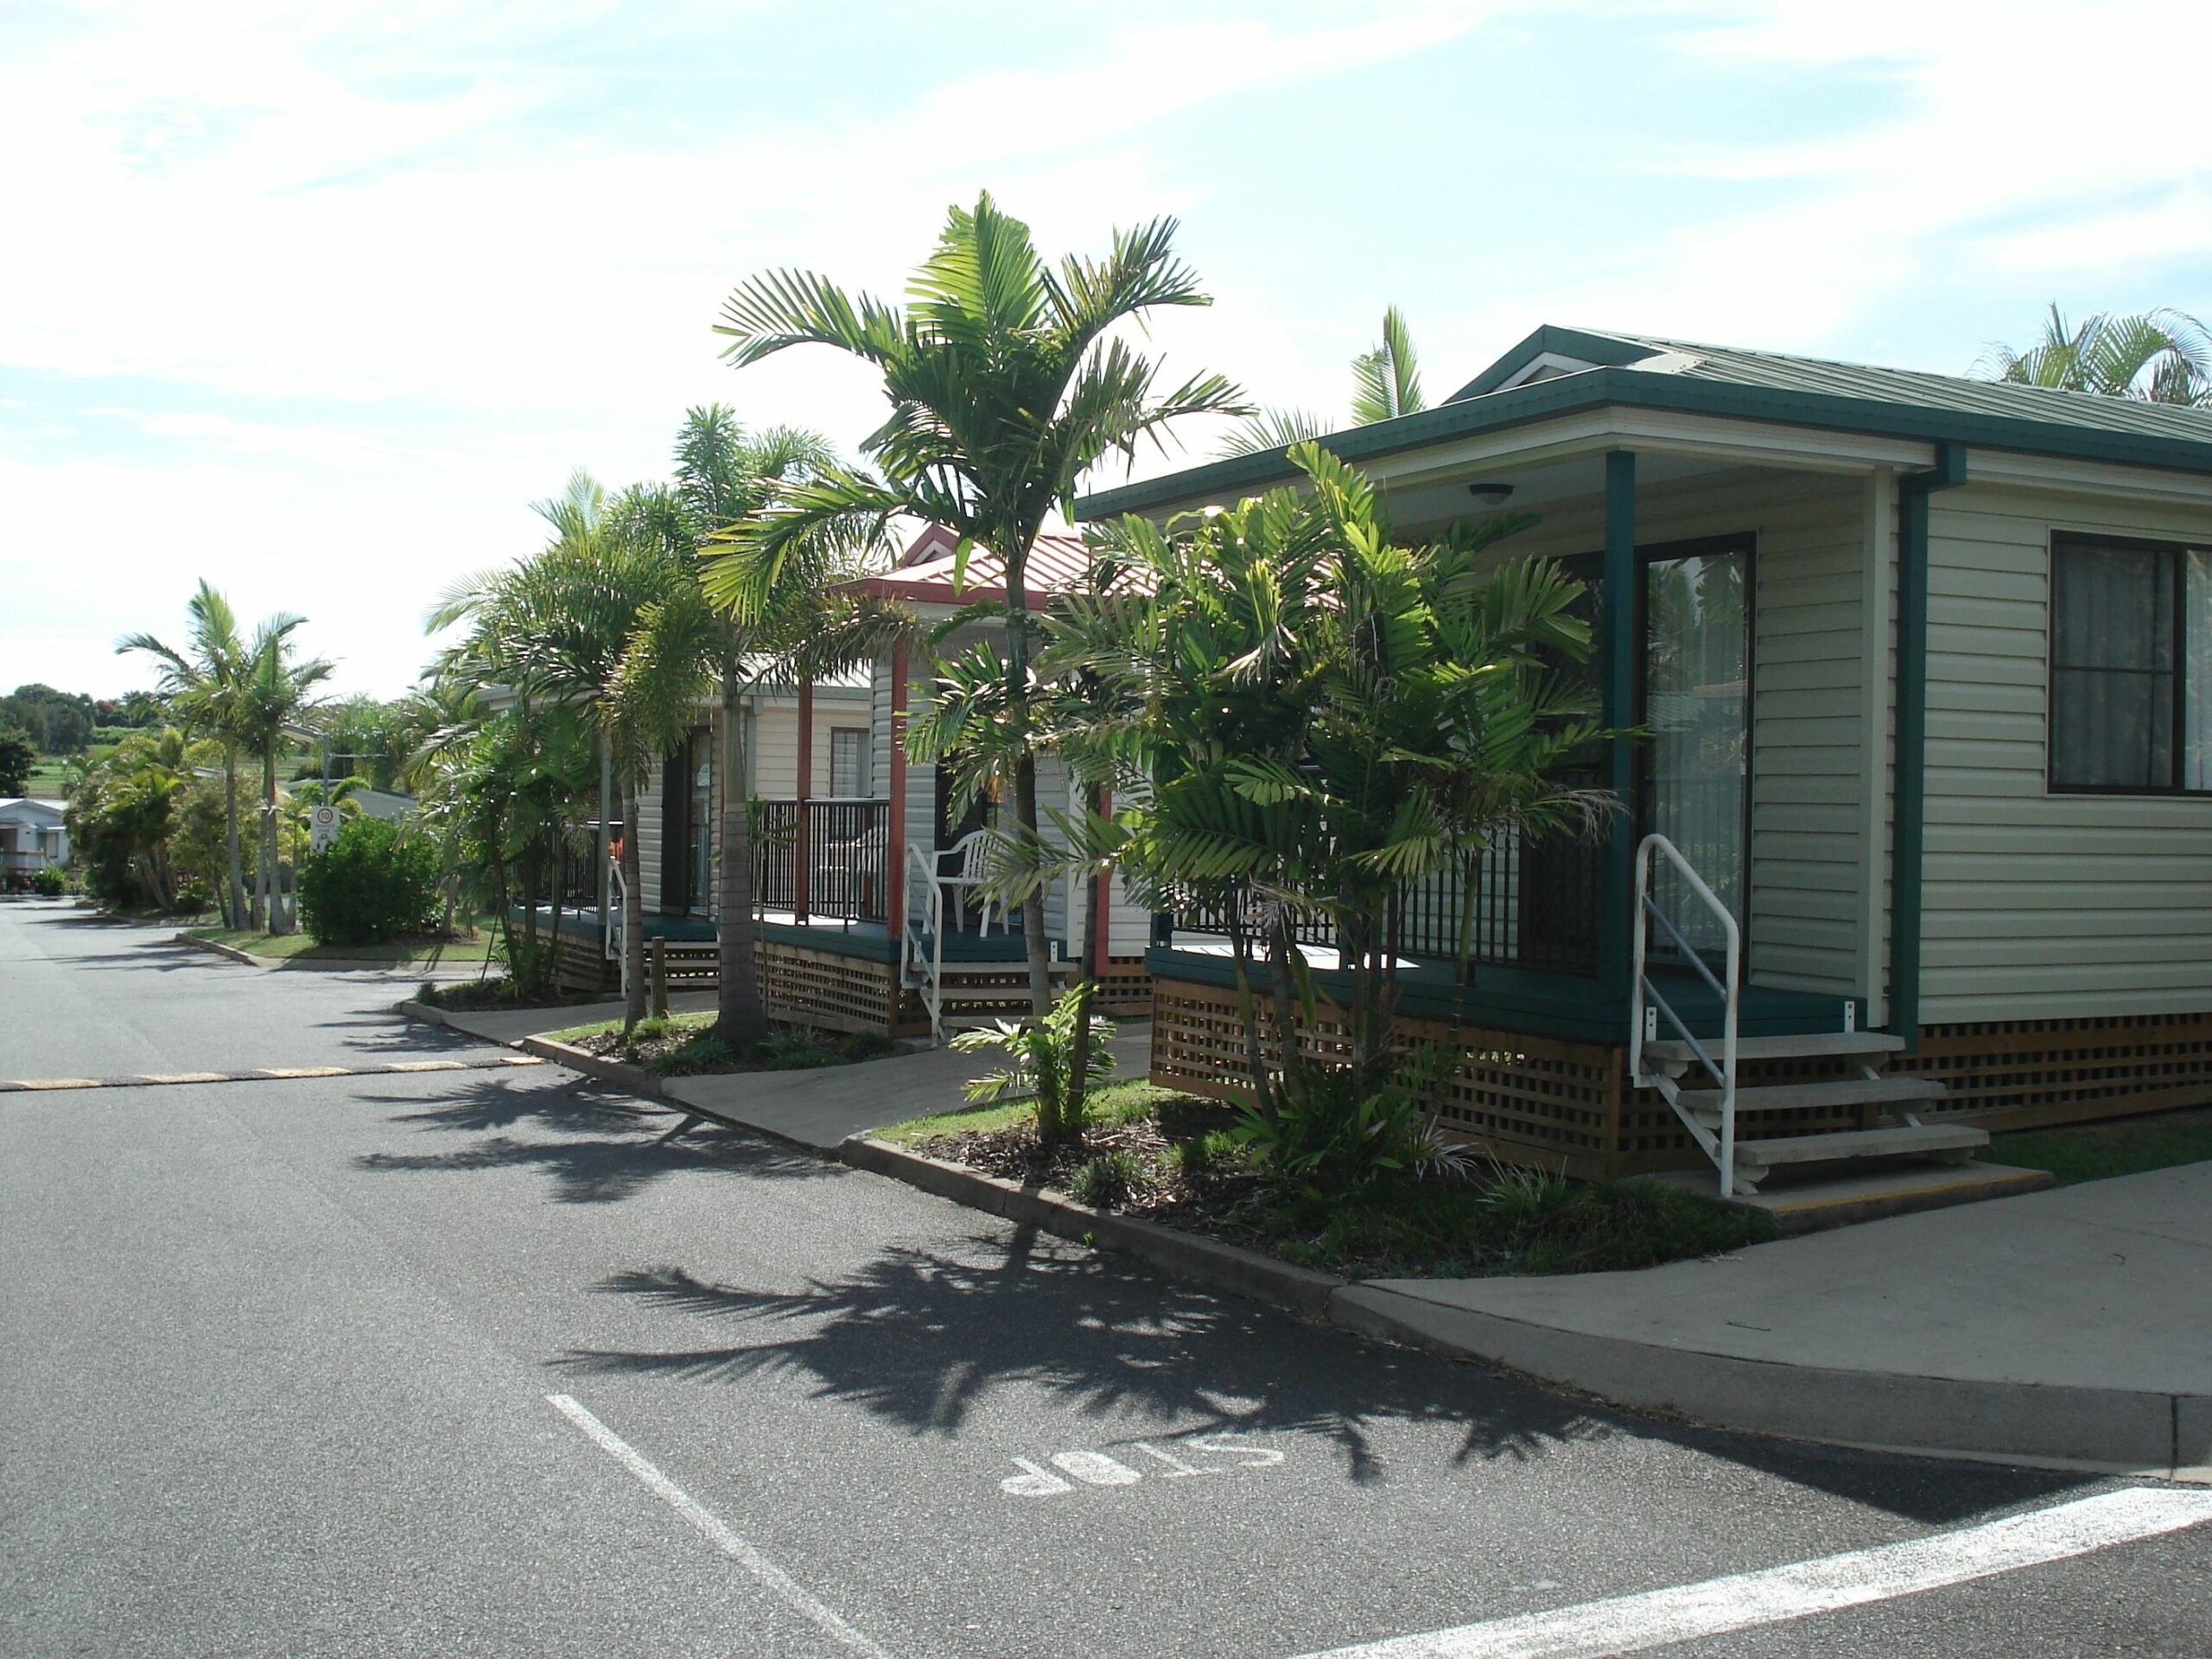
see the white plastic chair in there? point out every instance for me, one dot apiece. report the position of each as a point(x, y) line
point(966, 855)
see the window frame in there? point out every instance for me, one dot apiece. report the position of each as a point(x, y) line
point(2061, 540)
point(860, 735)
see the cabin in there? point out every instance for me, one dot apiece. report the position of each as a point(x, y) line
point(870, 919)
point(33, 836)
point(1919, 841)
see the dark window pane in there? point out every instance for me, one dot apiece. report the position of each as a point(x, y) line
point(2111, 687)
point(2196, 668)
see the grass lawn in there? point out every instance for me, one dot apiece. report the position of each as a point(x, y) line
point(429, 952)
point(1166, 1156)
point(2096, 1151)
point(1110, 1106)
point(45, 782)
point(677, 1046)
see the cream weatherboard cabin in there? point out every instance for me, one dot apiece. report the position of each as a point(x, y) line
point(1924, 806)
point(870, 919)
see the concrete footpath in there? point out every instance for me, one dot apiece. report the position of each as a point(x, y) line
point(820, 1110)
point(2072, 1326)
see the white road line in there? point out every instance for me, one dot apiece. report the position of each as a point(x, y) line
point(1595, 1629)
point(772, 1577)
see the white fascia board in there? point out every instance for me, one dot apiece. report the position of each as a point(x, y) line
point(2086, 477)
point(1653, 431)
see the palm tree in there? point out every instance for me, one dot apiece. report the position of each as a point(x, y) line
point(1008, 379)
point(2160, 357)
point(724, 477)
point(1328, 717)
point(558, 627)
point(203, 687)
point(274, 696)
point(1385, 383)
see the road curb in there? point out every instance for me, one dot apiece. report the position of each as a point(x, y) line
point(637, 1080)
point(1209, 1262)
point(2119, 1429)
point(295, 964)
point(220, 950)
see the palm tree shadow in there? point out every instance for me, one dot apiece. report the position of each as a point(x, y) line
point(596, 1145)
point(919, 1339)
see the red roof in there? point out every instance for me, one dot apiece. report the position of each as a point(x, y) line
point(1057, 564)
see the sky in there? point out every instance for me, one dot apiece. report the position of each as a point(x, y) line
point(314, 301)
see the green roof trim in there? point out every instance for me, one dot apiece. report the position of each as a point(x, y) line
point(1606, 351)
point(1736, 385)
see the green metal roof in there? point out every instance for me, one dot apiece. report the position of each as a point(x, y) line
point(1724, 381)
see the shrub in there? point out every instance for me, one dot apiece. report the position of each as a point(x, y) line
point(48, 882)
point(369, 885)
point(1041, 1063)
point(1107, 1180)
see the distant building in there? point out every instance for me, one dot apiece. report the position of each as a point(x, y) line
point(33, 836)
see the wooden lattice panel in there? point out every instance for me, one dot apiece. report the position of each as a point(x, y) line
point(2021, 1073)
point(1548, 1101)
point(1125, 987)
point(818, 987)
point(584, 966)
point(1526, 1099)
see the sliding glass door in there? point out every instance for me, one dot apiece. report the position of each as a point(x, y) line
point(1697, 705)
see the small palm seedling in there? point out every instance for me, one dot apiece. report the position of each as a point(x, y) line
point(1053, 1059)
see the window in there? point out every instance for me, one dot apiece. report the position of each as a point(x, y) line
point(2131, 666)
point(848, 760)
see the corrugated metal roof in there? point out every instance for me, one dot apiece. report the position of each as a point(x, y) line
point(1917, 389)
point(924, 574)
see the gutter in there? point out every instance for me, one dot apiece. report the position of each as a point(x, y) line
point(1911, 825)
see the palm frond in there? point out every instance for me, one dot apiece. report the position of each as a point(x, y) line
point(1386, 381)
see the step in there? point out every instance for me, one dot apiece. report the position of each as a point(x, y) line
point(1811, 1199)
point(1899, 1141)
point(1828, 1094)
point(1808, 1045)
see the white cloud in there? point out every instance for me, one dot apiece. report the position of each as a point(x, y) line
point(309, 203)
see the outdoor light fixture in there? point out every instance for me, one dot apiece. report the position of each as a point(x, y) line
point(1489, 494)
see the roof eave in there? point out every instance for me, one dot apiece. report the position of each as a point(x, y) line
point(1685, 394)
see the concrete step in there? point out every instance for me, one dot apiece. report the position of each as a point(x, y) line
point(1826, 1095)
point(1897, 1140)
point(1812, 1198)
point(1809, 1046)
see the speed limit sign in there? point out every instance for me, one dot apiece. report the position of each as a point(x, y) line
point(323, 827)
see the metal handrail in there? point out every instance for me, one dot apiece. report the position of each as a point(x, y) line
point(931, 892)
point(1728, 985)
point(618, 920)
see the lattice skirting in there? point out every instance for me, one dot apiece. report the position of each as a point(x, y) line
point(1563, 1105)
point(584, 966)
point(2027, 1073)
point(820, 988)
point(1125, 988)
point(841, 993)
point(1528, 1099)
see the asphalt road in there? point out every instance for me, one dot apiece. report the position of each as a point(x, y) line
point(477, 1363)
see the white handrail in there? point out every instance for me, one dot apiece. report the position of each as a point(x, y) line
point(619, 923)
point(1729, 986)
point(932, 891)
